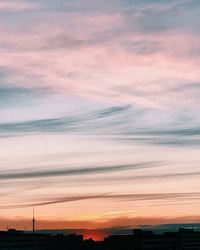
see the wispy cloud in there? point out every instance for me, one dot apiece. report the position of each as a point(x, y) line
point(110, 38)
point(75, 171)
point(12, 5)
point(124, 123)
point(123, 197)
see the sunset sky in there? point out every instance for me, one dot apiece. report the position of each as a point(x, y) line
point(99, 112)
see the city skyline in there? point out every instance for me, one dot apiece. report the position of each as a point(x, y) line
point(99, 113)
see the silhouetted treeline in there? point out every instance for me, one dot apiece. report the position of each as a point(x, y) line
point(139, 240)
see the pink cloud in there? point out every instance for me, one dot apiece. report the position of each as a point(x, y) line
point(15, 5)
point(120, 67)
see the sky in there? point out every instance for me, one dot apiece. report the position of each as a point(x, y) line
point(99, 112)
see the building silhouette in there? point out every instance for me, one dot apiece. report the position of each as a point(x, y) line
point(184, 239)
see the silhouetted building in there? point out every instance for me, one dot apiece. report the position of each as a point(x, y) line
point(17, 240)
point(63, 242)
point(184, 239)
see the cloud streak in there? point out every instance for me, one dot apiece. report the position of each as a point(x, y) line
point(121, 197)
point(15, 6)
point(125, 123)
point(75, 171)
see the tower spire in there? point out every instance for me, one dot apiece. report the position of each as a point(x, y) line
point(33, 220)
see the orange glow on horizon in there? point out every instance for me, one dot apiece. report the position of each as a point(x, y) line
point(94, 234)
